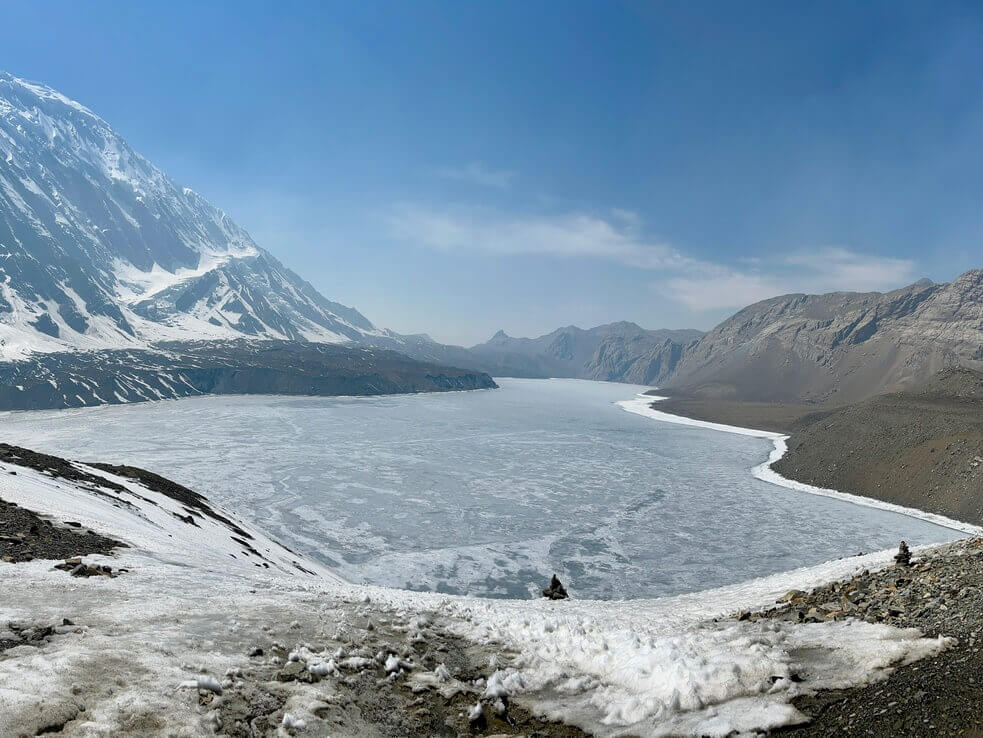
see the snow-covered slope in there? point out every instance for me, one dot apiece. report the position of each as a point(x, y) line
point(99, 248)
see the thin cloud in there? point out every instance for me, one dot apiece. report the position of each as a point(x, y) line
point(477, 173)
point(629, 218)
point(823, 270)
point(850, 270)
point(569, 235)
point(697, 284)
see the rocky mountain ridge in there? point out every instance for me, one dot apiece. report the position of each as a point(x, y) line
point(839, 347)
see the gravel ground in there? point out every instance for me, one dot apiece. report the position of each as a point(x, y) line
point(374, 701)
point(390, 676)
point(940, 593)
point(921, 448)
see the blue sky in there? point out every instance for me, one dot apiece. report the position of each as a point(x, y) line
point(461, 167)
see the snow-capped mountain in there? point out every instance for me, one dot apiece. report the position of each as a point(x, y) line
point(99, 248)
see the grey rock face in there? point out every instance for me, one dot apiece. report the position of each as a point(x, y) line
point(838, 347)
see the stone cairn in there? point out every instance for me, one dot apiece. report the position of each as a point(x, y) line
point(555, 591)
point(903, 556)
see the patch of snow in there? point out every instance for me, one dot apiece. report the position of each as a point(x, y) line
point(502, 684)
point(324, 668)
point(203, 682)
point(394, 664)
point(442, 673)
point(292, 723)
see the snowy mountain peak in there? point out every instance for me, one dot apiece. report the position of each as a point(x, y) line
point(99, 248)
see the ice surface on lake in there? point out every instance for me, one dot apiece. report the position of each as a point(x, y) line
point(486, 492)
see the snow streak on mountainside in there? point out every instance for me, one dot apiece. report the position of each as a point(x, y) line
point(99, 248)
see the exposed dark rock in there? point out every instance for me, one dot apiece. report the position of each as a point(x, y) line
point(77, 568)
point(25, 536)
point(556, 590)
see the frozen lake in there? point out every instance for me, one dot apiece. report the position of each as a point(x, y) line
point(484, 492)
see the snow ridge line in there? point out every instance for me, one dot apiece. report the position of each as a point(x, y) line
point(642, 405)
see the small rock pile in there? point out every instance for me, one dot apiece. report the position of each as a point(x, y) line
point(903, 556)
point(556, 590)
point(77, 568)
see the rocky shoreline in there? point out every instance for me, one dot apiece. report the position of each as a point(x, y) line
point(941, 594)
point(921, 448)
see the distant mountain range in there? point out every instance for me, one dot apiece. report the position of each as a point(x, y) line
point(100, 251)
point(618, 352)
point(826, 349)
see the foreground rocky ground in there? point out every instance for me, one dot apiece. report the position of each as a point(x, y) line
point(365, 669)
point(940, 593)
